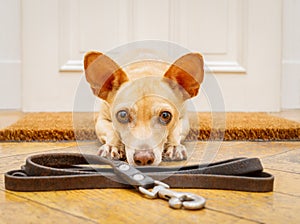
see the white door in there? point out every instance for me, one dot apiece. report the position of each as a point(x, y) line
point(291, 55)
point(10, 55)
point(241, 42)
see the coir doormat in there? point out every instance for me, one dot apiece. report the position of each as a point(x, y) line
point(204, 126)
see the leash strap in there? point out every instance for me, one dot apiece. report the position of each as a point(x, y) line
point(70, 171)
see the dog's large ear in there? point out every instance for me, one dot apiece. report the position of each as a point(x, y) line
point(187, 73)
point(103, 74)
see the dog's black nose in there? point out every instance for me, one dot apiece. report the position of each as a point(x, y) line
point(143, 157)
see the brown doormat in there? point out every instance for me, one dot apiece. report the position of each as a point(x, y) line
point(67, 126)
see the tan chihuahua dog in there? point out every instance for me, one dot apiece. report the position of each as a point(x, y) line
point(142, 116)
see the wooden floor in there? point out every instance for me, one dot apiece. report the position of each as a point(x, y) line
point(127, 206)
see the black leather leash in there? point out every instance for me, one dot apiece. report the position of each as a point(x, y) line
point(69, 171)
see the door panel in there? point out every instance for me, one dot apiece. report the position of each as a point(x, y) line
point(240, 40)
point(10, 55)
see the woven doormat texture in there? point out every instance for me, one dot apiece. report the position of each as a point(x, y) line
point(204, 126)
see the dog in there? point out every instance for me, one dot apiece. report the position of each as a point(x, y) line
point(143, 114)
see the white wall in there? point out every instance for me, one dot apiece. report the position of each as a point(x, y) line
point(10, 54)
point(291, 55)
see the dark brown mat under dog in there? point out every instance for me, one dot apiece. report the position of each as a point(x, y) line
point(204, 126)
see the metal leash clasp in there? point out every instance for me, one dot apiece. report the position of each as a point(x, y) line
point(176, 199)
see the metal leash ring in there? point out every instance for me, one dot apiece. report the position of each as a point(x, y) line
point(176, 200)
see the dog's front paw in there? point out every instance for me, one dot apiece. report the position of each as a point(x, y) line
point(176, 153)
point(112, 152)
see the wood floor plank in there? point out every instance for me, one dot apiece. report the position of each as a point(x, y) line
point(204, 152)
point(14, 209)
point(13, 148)
point(16, 153)
point(2, 182)
point(288, 161)
point(12, 163)
point(270, 207)
point(255, 149)
point(286, 182)
point(125, 206)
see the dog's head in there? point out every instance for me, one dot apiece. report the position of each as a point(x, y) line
point(145, 110)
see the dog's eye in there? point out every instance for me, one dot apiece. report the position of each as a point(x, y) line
point(123, 116)
point(165, 117)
